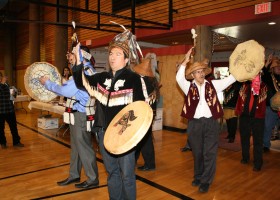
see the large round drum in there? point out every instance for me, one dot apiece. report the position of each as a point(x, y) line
point(32, 84)
point(247, 60)
point(128, 127)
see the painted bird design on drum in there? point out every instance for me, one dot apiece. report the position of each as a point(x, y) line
point(123, 121)
point(241, 61)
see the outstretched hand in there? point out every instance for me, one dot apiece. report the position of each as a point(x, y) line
point(76, 52)
point(269, 60)
point(43, 79)
point(187, 57)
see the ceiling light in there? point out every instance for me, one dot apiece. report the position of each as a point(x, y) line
point(174, 43)
point(271, 23)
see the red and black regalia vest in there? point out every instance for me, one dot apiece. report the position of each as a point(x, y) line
point(259, 104)
point(192, 99)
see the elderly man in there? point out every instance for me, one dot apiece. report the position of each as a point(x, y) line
point(202, 109)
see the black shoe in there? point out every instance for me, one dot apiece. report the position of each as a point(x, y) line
point(186, 149)
point(204, 187)
point(231, 140)
point(68, 181)
point(257, 169)
point(195, 182)
point(86, 185)
point(19, 145)
point(145, 168)
point(244, 161)
point(4, 146)
point(266, 149)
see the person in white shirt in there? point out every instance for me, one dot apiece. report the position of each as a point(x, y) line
point(202, 109)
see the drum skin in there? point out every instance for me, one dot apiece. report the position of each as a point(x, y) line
point(128, 127)
point(247, 60)
point(32, 84)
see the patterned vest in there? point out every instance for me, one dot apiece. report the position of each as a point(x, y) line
point(68, 116)
point(260, 104)
point(192, 99)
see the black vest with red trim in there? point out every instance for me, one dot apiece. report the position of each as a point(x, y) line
point(259, 105)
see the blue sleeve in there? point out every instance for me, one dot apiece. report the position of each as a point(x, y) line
point(68, 89)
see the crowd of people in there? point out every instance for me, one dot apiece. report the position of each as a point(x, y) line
point(247, 104)
point(94, 99)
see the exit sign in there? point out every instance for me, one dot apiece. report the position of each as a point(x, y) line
point(263, 8)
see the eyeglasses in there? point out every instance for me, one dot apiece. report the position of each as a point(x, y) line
point(202, 71)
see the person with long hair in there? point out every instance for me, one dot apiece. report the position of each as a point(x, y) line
point(66, 75)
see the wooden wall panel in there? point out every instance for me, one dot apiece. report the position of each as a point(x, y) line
point(173, 97)
point(22, 43)
point(20, 80)
point(47, 36)
point(155, 11)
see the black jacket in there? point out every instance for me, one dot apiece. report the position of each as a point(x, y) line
point(112, 93)
point(6, 105)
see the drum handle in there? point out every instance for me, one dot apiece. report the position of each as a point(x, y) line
point(194, 35)
point(191, 58)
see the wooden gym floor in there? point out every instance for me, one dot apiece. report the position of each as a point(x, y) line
point(31, 172)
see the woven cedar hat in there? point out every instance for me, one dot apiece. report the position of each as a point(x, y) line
point(275, 62)
point(120, 44)
point(127, 42)
point(144, 68)
point(247, 60)
point(196, 66)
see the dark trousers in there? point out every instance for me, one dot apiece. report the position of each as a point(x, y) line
point(10, 118)
point(82, 153)
point(247, 125)
point(187, 144)
point(120, 168)
point(231, 127)
point(146, 147)
point(203, 139)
